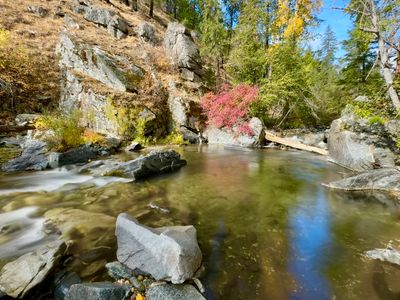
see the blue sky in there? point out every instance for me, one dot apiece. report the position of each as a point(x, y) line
point(339, 22)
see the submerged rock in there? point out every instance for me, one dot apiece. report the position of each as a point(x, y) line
point(98, 291)
point(387, 180)
point(232, 137)
point(154, 163)
point(166, 253)
point(117, 270)
point(18, 277)
point(63, 282)
point(387, 255)
point(173, 292)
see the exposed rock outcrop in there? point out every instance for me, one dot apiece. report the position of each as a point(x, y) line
point(115, 24)
point(38, 10)
point(18, 277)
point(154, 163)
point(147, 32)
point(186, 115)
point(183, 52)
point(93, 62)
point(234, 137)
point(167, 253)
point(357, 144)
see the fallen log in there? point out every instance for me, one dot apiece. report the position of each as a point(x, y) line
point(15, 128)
point(293, 144)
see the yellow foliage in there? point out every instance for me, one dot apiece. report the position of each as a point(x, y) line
point(4, 37)
point(293, 17)
point(93, 137)
point(139, 297)
point(65, 128)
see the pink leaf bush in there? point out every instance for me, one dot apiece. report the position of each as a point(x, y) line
point(230, 107)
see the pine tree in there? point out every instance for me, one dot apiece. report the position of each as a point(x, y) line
point(247, 61)
point(213, 33)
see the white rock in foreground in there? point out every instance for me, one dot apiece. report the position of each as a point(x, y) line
point(166, 253)
point(388, 255)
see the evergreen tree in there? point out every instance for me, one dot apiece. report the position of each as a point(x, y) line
point(247, 61)
point(213, 33)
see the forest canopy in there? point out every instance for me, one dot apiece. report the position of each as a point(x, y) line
point(263, 43)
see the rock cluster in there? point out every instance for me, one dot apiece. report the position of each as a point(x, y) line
point(154, 163)
point(115, 24)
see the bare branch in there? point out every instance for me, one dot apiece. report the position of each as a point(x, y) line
point(369, 30)
point(373, 67)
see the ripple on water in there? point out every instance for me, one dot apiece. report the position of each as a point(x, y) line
point(21, 232)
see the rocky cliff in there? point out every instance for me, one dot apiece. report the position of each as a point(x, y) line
point(126, 73)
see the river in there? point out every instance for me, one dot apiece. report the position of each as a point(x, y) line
point(267, 227)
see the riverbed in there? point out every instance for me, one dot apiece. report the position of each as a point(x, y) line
point(267, 227)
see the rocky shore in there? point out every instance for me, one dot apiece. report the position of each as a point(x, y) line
point(156, 263)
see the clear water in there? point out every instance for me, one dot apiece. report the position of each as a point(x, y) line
point(267, 227)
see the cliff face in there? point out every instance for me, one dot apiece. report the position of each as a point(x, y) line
point(121, 69)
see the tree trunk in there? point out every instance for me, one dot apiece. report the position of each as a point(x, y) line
point(151, 13)
point(384, 58)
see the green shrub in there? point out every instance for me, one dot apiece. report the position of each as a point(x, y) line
point(67, 131)
point(377, 120)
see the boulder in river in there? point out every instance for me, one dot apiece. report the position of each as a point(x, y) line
point(173, 292)
point(387, 180)
point(78, 155)
point(18, 277)
point(234, 138)
point(166, 253)
point(154, 163)
point(98, 291)
point(360, 145)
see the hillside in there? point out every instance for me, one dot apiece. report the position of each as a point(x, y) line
point(130, 44)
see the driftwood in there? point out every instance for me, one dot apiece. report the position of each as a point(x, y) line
point(293, 144)
point(14, 128)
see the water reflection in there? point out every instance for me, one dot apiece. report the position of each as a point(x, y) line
point(310, 237)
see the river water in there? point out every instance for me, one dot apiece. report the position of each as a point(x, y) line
point(267, 227)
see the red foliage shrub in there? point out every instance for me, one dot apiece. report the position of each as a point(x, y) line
point(230, 107)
